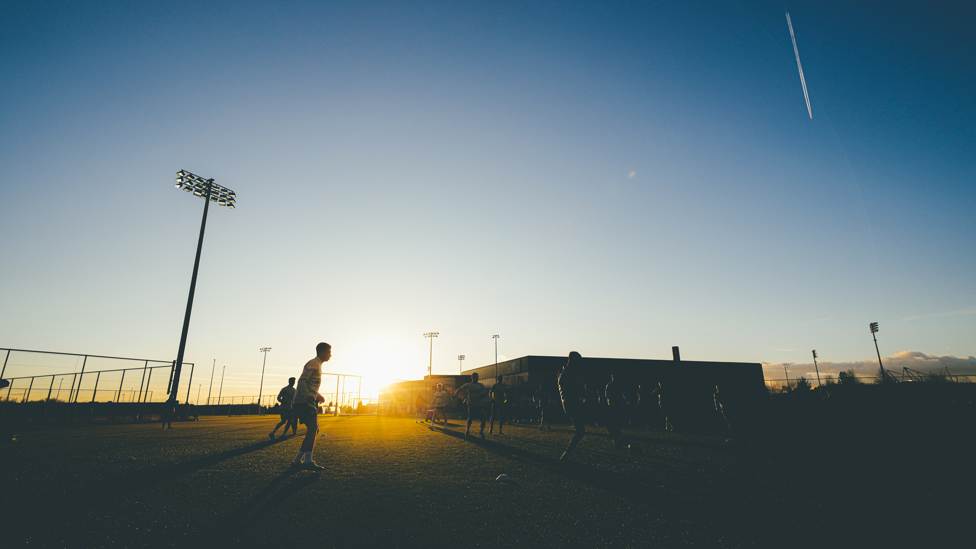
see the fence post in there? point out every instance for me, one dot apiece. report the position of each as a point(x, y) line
point(4, 370)
point(29, 388)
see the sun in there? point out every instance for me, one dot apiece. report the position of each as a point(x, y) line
point(380, 362)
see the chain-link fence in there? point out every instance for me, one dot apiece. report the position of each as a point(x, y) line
point(69, 377)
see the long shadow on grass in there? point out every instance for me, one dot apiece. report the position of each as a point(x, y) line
point(714, 518)
point(273, 496)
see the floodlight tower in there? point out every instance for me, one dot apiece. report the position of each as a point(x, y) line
point(815, 367)
point(261, 386)
point(495, 337)
point(874, 330)
point(430, 366)
point(209, 192)
point(460, 364)
point(785, 366)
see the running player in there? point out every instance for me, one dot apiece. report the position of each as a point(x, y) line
point(307, 399)
point(286, 396)
point(571, 392)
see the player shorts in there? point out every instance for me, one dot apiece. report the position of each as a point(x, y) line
point(441, 409)
point(286, 414)
point(306, 413)
point(476, 412)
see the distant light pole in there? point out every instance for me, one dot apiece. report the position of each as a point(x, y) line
point(460, 364)
point(223, 370)
point(261, 387)
point(785, 366)
point(495, 337)
point(210, 390)
point(874, 330)
point(430, 366)
point(815, 367)
point(199, 386)
point(209, 192)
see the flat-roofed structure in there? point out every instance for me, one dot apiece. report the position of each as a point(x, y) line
point(688, 384)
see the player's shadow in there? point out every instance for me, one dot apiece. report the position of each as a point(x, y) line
point(147, 479)
point(273, 496)
point(638, 490)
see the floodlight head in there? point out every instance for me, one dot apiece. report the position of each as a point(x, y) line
point(205, 189)
point(874, 327)
point(814, 353)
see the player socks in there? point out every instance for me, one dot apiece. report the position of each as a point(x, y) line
point(298, 457)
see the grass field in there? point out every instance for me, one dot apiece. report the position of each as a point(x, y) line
point(389, 482)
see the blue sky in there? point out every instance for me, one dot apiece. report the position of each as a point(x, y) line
point(405, 167)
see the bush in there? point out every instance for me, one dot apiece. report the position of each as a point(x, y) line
point(802, 384)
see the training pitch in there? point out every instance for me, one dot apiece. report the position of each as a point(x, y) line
point(390, 482)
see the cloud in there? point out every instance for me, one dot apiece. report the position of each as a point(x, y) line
point(962, 366)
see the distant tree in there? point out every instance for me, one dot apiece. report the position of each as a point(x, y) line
point(938, 377)
point(829, 380)
point(848, 378)
point(802, 384)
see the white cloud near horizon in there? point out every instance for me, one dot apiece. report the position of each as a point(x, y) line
point(914, 360)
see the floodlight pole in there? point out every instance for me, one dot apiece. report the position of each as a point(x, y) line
point(261, 387)
point(210, 390)
point(203, 188)
point(495, 337)
point(220, 395)
point(785, 366)
point(460, 364)
point(430, 366)
point(189, 301)
point(874, 330)
point(815, 367)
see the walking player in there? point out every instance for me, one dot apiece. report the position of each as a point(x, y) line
point(474, 393)
point(439, 404)
point(499, 401)
point(420, 409)
point(542, 401)
point(286, 397)
point(307, 399)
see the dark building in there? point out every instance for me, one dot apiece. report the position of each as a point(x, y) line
point(689, 384)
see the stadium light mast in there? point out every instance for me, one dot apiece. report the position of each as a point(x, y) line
point(261, 386)
point(209, 192)
point(495, 337)
point(220, 394)
point(785, 366)
point(874, 330)
point(210, 390)
point(815, 367)
point(430, 365)
point(460, 364)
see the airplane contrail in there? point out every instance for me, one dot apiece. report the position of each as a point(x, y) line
point(799, 66)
